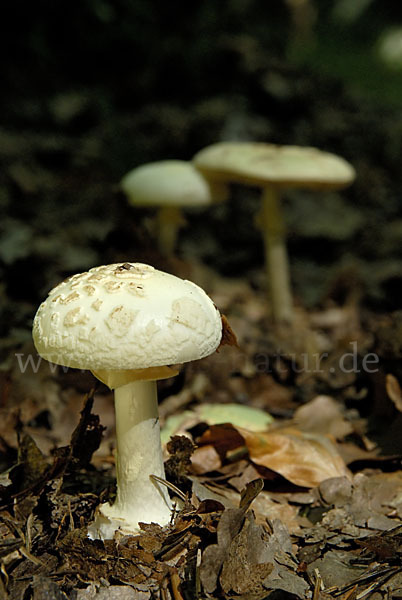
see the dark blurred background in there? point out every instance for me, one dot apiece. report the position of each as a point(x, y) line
point(91, 89)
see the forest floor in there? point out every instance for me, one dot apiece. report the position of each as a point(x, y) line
point(286, 453)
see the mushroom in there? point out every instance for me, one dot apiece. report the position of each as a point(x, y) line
point(274, 168)
point(170, 185)
point(127, 323)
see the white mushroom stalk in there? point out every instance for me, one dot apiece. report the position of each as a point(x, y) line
point(127, 323)
point(139, 455)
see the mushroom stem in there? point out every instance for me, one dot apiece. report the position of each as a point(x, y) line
point(276, 257)
point(169, 220)
point(139, 455)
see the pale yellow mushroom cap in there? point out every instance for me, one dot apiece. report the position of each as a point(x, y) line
point(166, 183)
point(126, 316)
point(259, 164)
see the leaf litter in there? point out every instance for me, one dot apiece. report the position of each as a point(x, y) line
point(304, 506)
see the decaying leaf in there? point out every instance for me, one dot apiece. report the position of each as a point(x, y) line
point(205, 459)
point(304, 459)
point(394, 391)
point(224, 438)
point(86, 436)
point(123, 561)
point(180, 449)
point(228, 335)
point(322, 415)
point(258, 562)
point(246, 569)
point(215, 554)
point(44, 588)
point(114, 592)
point(249, 417)
point(250, 493)
point(363, 502)
point(31, 461)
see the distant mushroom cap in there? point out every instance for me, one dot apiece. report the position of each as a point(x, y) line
point(257, 163)
point(126, 316)
point(167, 182)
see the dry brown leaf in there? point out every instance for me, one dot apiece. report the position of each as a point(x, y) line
point(304, 459)
point(224, 438)
point(214, 555)
point(228, 335)
point(256, 562)
point(245, 569)
point(250, 493)
point(265, 508)
point(323, 415)
point(394, 391)
point(205, 459)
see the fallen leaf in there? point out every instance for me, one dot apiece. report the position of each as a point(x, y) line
point(113, 592)
point(265, 508)
point(302, 458)
point(180, 449)
point(205, 460)
point(215, 554)
point(394, 391)
point(257, 562)
point(44, 588)
point(322, 415)
point(251, 418)
point(224, 438)
point(245, 569)
point(250, 493)
point(228, 335)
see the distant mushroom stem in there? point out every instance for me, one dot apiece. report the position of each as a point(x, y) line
point(276, 257)
point(169, 221)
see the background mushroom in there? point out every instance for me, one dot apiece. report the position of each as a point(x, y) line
point(274, 168)
point(127, 323)
point(170, 185)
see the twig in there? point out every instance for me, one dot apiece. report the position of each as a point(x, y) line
point(171, 486)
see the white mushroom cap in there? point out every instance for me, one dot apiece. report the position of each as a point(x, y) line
point(126, 316)
point(167, 182)
point(257, 163)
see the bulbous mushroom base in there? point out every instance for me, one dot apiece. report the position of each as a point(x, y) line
point(109, 520)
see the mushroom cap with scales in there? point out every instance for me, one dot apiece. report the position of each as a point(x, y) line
point(126, 316)
point(260, 164)
point(166, 183)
